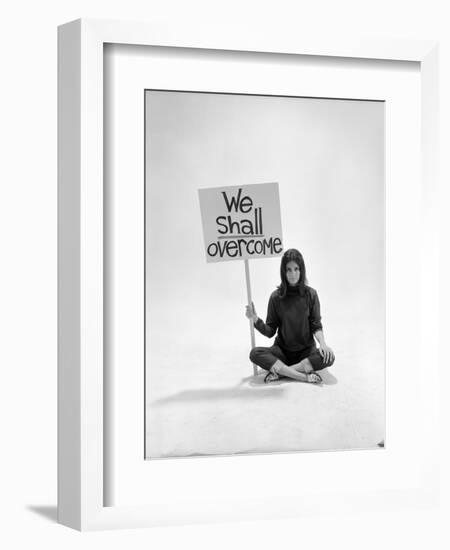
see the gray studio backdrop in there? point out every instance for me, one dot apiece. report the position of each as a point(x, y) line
point(328, 158)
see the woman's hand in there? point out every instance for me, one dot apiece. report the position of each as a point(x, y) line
point(250, 312)
point(327, 354)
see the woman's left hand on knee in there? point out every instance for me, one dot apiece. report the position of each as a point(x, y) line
point(327, 355)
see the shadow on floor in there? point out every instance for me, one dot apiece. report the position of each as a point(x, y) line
point(328, 378)
point(241, 391)
point(48, 512)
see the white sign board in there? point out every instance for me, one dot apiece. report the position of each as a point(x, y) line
point(241, 222)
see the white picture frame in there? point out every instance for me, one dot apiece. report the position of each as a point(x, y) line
point(82, 485)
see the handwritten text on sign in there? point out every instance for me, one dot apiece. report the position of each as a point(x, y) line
point(241, 222)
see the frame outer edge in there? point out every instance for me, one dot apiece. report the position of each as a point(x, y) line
point(430, 247)
point(80, 238)
point(69, 335)
point(91, 276)
point(259, 40)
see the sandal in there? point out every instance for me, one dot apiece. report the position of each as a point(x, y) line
point(314, 378)
point(271, 377)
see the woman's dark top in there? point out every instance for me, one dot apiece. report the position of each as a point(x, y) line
point(296, 317)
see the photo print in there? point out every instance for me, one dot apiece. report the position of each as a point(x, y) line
point(264, 274)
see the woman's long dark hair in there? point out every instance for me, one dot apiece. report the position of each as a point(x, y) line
point(292, 255)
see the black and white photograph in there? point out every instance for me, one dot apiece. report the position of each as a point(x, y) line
point(264, 274)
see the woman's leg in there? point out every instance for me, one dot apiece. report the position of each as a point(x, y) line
point(304, 366)
point(274, 360)
point(316, 360)
point(312, 363)
point(303, 371)
point(267, 357)
point(290, 372)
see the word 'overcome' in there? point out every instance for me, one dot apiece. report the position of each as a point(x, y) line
point(243, 236)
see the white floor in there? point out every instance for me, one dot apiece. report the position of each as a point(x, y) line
point(206, 406)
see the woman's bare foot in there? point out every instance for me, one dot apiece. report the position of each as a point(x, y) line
point(314, 378)
point(271, 377)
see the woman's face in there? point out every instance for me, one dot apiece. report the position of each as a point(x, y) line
point(292, 273)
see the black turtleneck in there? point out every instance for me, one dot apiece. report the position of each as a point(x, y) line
point(296, 317)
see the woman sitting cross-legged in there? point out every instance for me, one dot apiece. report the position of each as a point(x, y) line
point(294, 315)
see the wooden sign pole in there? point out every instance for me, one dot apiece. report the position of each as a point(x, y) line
point(249, 301)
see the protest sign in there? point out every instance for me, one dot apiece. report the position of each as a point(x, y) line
point(241, 222)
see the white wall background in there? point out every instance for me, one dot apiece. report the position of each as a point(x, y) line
point(28, 275)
